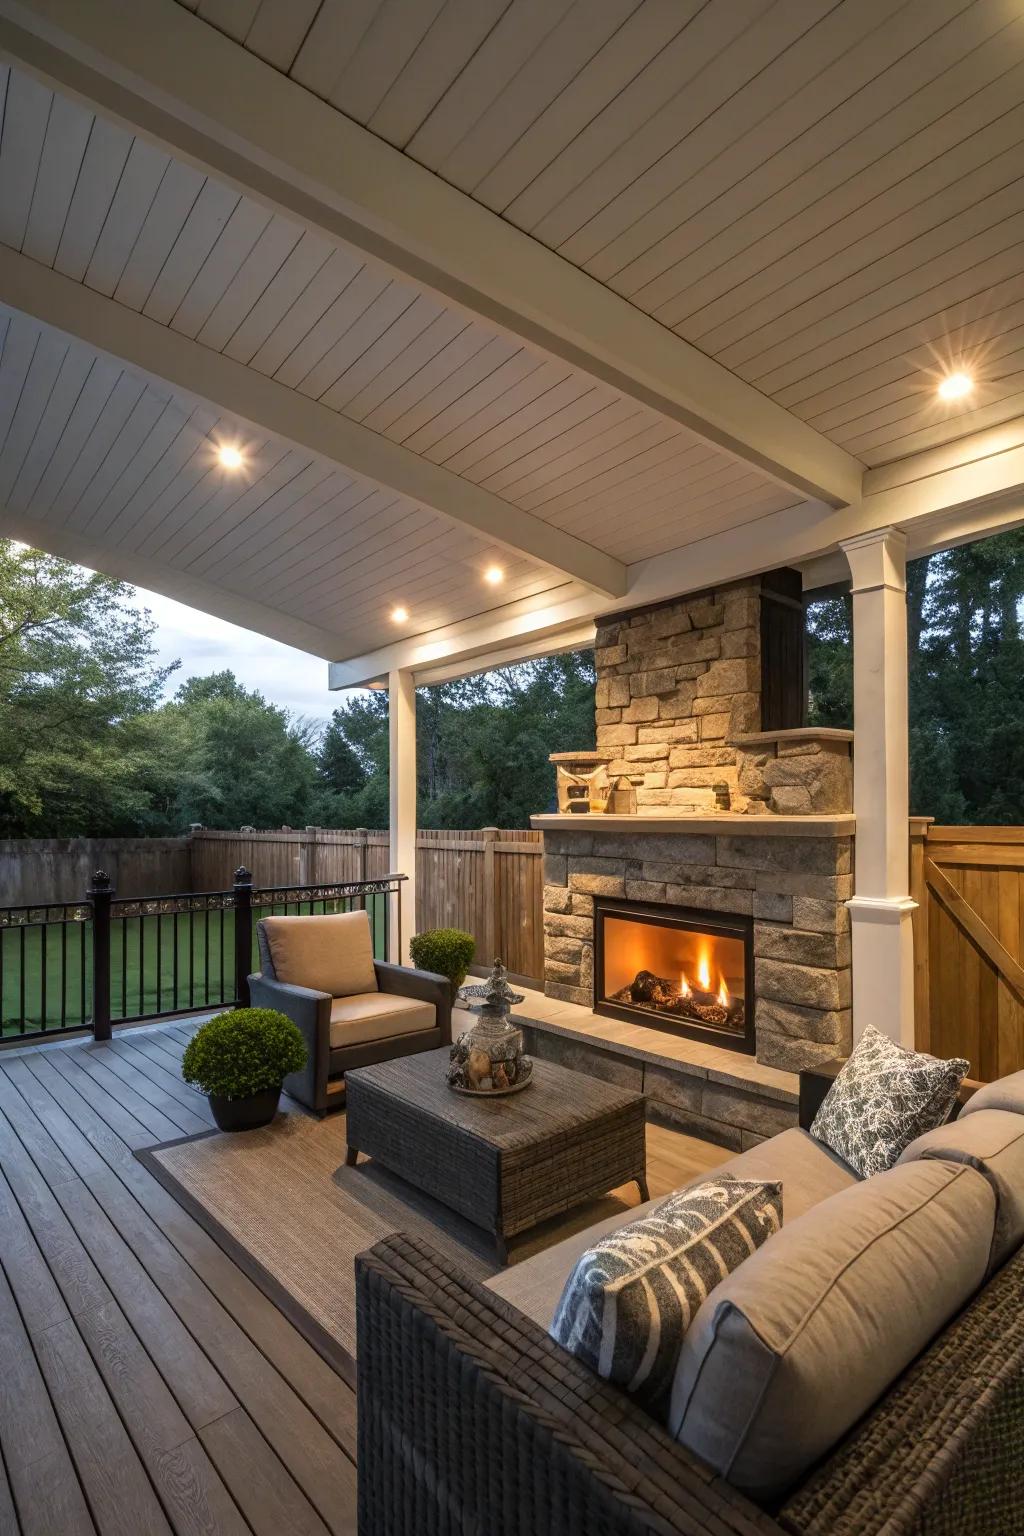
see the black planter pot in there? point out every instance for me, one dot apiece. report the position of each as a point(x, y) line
point(245, 1114)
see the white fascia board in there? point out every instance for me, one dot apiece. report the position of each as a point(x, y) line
point(578, 637)
point(155, 66)
point(229, 386)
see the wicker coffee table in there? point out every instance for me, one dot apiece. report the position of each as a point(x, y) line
point(504, 1163)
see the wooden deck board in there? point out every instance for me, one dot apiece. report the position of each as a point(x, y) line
point(148, 1385)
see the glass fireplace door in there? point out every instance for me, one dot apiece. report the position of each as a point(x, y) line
point(687, 973)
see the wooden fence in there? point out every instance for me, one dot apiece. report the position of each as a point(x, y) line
point(969, 944)
point(489, 881)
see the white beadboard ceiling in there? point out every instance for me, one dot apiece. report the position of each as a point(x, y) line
point(827, 198)
point(91, 450)
point(90, 446)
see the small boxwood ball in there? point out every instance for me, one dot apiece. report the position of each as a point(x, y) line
point(447, 951)
point(243, 1052)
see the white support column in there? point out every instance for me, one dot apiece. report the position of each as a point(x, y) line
point(880, 911)
point(402, 782)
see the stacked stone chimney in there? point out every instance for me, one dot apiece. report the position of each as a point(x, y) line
point(674, 685)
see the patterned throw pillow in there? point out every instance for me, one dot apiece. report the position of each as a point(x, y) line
point(631, 1298)
point(883, 1099)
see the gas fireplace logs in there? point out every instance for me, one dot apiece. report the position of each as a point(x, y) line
point(719, 1010)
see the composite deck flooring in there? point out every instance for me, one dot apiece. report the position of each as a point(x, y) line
point(147, 1387)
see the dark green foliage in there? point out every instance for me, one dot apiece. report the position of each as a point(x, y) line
point(339, 766)
point(87, 747)
point(966, 652)
point(77, 680)
point(238, 760)
point(448, 951)
point(244, 1052)
point(482, 745)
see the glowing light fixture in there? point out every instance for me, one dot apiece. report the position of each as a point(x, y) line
point(955, 385)
point(494, 575)
point(399, 615)
point(229, 456)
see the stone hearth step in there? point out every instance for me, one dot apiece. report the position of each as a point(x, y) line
point(704, 1090)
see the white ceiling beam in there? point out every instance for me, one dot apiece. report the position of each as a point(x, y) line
point(182, 586)
point(515, 631)
point(170, 76)
point(936, 506)
point(262, 403)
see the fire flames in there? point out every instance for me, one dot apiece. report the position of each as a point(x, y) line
point(704, 981)
point(681, 977)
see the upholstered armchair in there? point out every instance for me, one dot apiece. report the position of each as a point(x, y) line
point(351, 1009)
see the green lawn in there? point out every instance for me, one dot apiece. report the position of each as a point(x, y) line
point(154, 969)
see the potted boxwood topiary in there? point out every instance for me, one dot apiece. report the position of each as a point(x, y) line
point(240, 1060)
point(448, 951)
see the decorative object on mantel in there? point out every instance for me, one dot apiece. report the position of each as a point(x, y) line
point(488, 1059)
point(582, 781)
point(622, 800)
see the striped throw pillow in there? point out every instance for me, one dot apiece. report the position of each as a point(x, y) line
point(631, 1298)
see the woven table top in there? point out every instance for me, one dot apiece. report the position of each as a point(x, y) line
point(557, 1100)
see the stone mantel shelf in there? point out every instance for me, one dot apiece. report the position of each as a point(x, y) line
point(791, 736)
point(726, 823)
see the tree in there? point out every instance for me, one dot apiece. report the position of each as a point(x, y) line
point(339, 765)
point(77, 673)
point(482, 746)
point(966, 679)
point(248, 764)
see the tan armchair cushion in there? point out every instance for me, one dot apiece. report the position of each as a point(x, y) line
point(331, 954)
point(370, 1016)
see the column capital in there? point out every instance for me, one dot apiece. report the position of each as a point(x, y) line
point(877, 559)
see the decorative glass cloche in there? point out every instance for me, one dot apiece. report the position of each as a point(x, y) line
point(488, 1059)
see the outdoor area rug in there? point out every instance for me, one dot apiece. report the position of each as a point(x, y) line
point(281, 1202)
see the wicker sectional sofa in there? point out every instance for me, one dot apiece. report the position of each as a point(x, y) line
point(474, 1422)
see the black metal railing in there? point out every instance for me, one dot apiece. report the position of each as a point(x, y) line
point(106, 960)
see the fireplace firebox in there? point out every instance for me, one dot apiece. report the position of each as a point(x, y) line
point(676, 969)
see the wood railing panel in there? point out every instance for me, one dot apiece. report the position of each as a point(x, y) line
point(488, 881)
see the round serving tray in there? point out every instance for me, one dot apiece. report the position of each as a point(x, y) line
point(469, 996)
point(491, 1093)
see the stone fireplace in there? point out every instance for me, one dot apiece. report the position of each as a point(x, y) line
point(728, 926)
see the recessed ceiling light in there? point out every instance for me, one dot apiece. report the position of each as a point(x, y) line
point(229, 456)
point(494, 574)
point(955, 385)
point(399, 615)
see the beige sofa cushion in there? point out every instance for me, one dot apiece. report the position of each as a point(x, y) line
point(370, 1016)
point(794, 1346)
point(1005, 1093)
point(993, 1142)
point(332, 954)
point(807, 1171)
